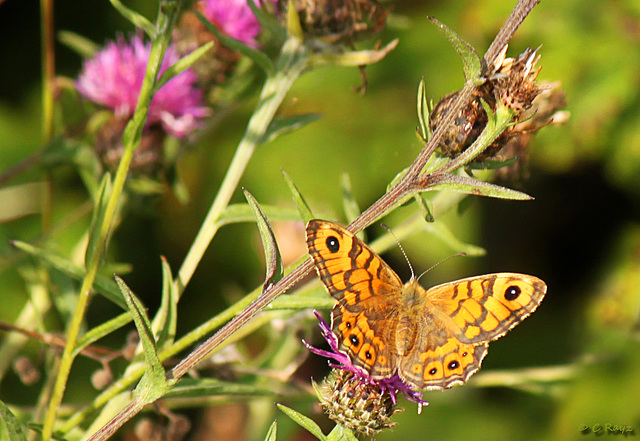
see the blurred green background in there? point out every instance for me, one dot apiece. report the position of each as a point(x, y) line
point(581, 234)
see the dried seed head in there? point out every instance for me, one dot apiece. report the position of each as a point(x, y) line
point(355, 404)
point(340, 20)
point(510, 83)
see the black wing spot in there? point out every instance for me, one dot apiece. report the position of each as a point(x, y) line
point(453, 365)
point(433, 371)
point(368, 355)
point(348, 325)
point(512, 293)
point(354, 340)
point(333, 244)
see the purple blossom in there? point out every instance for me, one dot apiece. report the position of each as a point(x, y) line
point(234, 18)
point(114, 76)
point(393, 385)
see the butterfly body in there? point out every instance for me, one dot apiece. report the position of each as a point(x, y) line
point(432, 338)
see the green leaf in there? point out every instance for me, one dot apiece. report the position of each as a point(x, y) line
point(101, 200)
point(425, 208)
point(440, 230)
point(272, 256)
point(272, 432)
point(183, 64)
point(468, 185)
point(165, 321)
point(349, 203)
point(319, 300)
point(258, 57)
point(102, 330)
point(424, 113)
point(11, 429)
point(78, 43)
point(209, 387)
point(294, 28)
point(102, 284)
point(153, 384)
point(21, 200)
point(279, 126)
point(139, 21)
point(303, 421)
point(267, 20)
point(236, 213)
point(341, 433)
point(352, 58)
point(301, 204)
point(471, 61)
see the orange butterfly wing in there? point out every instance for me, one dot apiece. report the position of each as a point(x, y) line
point(365, 287)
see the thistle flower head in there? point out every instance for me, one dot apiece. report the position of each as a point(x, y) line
point(351, 397)
point(234, 18)
point(113, 78)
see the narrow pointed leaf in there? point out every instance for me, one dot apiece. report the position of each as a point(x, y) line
point(102, 330)
point(423, 204)
point(209, 387)
point(183, 64)
point(353, 58)
point(468, 185)
point(102, 284)
point(165, 321)
point(471, 61)
point(301, 204)
point(280, 126)
point(101, 200)
point(349, 203)
point(424, 127)
point(258, 57)
point(294, 28)
point(272, 432)
point(138, 20)
point(266, 20)
point(303, 421)
point(79, 44)
point(272, 254)
point(341, 433)
point(236, 213)
point(11, 429)
point(300, 302)
point(153, 384)
point(440, 230)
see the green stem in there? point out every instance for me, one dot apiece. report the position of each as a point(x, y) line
point(131, 140)
point(290, 65)
point(291, 62)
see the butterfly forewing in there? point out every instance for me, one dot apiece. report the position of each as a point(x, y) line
point(485, 308)
point(350, 270)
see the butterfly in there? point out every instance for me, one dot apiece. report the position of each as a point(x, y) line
point(432, 338)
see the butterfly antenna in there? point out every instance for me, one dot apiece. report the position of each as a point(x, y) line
point(442, 261)
point(413, 275)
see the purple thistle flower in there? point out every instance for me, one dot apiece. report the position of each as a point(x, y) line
point(114, 76)
point(392, 385)
point(234, 18)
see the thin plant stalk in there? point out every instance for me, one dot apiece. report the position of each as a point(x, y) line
point(292, 61)
point(131, 140)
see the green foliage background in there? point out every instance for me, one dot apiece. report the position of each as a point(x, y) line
point(581, 234)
